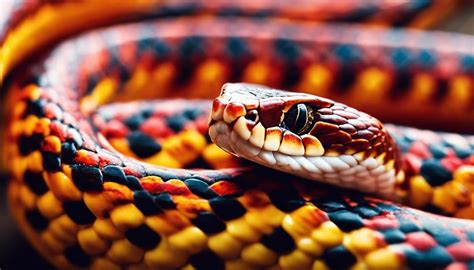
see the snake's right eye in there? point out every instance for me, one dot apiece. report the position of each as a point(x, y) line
point(299, 119)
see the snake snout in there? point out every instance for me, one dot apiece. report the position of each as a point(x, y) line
point(235, 101)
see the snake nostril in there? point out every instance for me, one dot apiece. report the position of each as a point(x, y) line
point(252, 116)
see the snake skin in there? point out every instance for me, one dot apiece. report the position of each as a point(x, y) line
point(111, 186)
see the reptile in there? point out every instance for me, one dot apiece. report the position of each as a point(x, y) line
point(109, 170)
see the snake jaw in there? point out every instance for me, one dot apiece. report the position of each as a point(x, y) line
point(342, 146)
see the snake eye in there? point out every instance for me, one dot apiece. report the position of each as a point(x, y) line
point(299, 119)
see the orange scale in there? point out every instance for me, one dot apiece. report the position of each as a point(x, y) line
point(117, 193)
point(223, 188)
point(51, 144)
point(86, 158)
point(108, 159)
point(255, 199)
point(191, 207)
point(310, 215)
point(173, 187)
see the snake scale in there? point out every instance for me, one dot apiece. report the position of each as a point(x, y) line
point(110, 171)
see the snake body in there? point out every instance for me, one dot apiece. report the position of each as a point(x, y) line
point(140, 185)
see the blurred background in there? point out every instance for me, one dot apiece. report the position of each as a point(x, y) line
point(15, 252)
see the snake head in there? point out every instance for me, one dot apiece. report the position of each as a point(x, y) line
point(306, 135)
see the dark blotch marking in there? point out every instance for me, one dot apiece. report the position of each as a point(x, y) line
point(77, 256)
point(446, 238)
point(133, 183)
point(427, 58)
point(434, 173)
point(334, 203)
point(279, 241)
point(115, 174)
point(291, 75)
point(159, 48)
point(470, 236)
point(366, 211)
point(143, 145)
point(227, 208)
point(78, 212)
point(165, 175)
point(347, 53)
point(87, 178)
point(145, 203)
point(467, 63)
point(339, 258)
point(200, 188)
point(209, 223)
point(236, 47)
point(408, 226)
point(438, 151)
point(35, 182)
point(434, 258)
point(346, 220)
point(36, 219)
point(285, 200)
point(442, 87)
point(462, 152)
point(29, 144)
point(92, 81)
point(192, 113)
point(164, 200)
point(192, 46)
point(346, 77)
point(176, 122)
point(68, 152)
point(401, 58)
point(393, 236)
point(134, 121)
point(287, 49)
point(358, 15)
point(439, 232)
point(388, 207)
point(143, 237)
point(207, 259)
point(51, 162)
point(403, 81)
point(35, 107)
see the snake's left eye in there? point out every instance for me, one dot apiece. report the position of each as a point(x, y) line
point(299, 119)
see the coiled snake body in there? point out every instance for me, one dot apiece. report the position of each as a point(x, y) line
point(139, 185)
